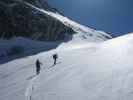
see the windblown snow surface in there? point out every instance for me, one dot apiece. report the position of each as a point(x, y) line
point(84, 71)
point(87, 68)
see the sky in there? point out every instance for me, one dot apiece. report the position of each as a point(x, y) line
point(113, 16)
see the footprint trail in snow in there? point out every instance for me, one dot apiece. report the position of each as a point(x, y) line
point(30, 88)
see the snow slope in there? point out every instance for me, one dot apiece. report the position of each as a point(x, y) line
point(85, 71)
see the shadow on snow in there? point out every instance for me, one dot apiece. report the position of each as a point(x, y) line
point(36, 48)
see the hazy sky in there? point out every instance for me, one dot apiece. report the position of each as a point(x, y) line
point(115, 16)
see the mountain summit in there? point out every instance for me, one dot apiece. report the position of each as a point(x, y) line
point(37, 20)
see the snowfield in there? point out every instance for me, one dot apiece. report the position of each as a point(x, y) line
point(88, 68)
point(85, 71)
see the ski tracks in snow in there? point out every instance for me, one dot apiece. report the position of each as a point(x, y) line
point(30, 89)
point(31, 86)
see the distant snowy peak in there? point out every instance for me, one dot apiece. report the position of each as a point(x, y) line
point(39, 21)
point(86, 32)
point(78, 27)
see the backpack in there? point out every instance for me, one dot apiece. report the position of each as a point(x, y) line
point(55, 56)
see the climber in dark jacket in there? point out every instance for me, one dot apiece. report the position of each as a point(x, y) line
point(38, 66)
point(55, 56)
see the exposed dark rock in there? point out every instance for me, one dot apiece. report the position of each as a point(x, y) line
point(17, 19)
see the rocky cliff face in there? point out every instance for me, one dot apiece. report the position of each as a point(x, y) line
point(17, 19)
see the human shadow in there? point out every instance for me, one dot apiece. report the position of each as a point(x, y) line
point(30, 77)
point(54, 65)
